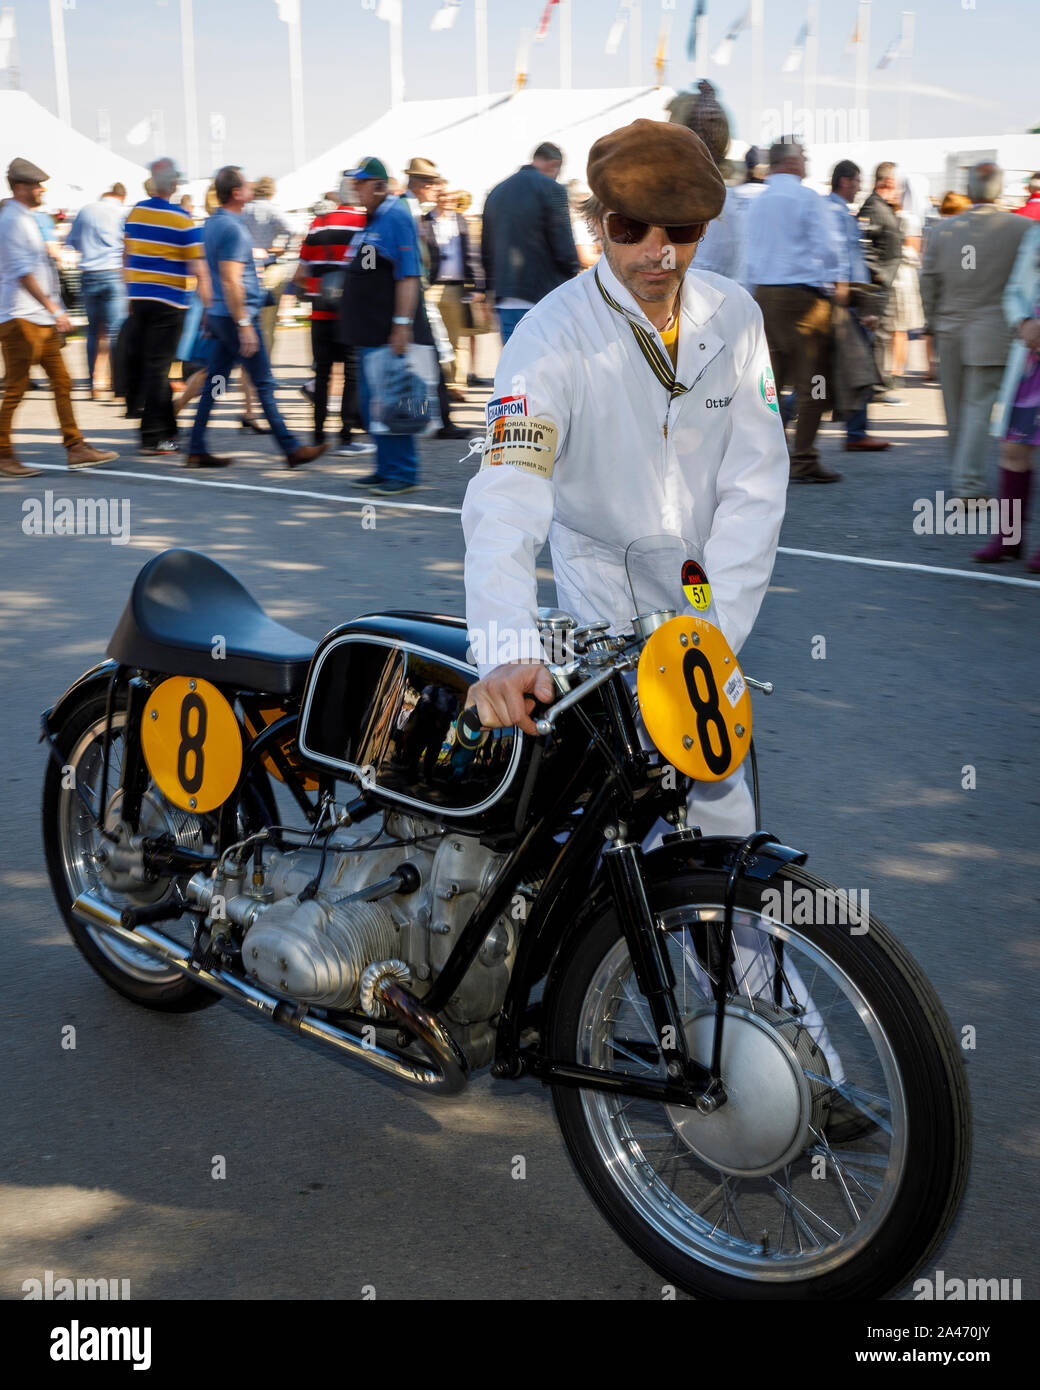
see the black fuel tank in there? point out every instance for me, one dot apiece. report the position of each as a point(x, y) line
point(380, 705)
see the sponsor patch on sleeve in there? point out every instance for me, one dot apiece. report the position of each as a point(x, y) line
point(524, 441)
point(505, 405)
point(767, 387)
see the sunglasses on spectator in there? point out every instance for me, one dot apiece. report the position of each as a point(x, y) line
point(629, 231)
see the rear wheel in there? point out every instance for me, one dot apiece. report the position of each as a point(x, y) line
point(838, 1161)
point(72, 843)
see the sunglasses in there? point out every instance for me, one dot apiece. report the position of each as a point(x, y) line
point(629, 231)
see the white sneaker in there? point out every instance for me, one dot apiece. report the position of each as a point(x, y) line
point(355, 449)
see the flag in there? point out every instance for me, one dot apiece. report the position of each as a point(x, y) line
point(793, 61)
point(543, 27)
point(661, 56)
point(617, 31)
point(892, 52)
point(139, 134)
point(699, 9)
point(724, 52)
point(288, 11)
point(855, 40)
point(446, 15)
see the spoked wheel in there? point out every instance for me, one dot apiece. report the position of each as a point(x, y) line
point(75, 850)
point(836, 1164)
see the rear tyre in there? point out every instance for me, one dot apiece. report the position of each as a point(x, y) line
point(70, 839)
point(841, 1163)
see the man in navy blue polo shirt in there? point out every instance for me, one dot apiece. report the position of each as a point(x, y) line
point(233, 320)
point(382, 304)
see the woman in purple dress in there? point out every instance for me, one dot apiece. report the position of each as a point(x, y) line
point(1017, 421)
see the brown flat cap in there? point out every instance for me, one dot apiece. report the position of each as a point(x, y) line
point(657, 172)
point(25, 171)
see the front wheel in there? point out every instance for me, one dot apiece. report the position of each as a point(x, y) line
point(838, 1161)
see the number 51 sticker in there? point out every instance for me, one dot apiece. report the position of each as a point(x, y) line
point(192, 743)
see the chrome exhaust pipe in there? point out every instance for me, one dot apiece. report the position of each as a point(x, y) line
point(447, 1073)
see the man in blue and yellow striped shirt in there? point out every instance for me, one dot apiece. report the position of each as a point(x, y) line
point(162, 261)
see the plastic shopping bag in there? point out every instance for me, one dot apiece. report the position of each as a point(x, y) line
point(402, 390)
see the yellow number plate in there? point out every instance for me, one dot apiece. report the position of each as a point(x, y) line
point(192, 743)
point(694, 700)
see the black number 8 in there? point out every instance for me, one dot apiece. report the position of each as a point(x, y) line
point(708, 712)
point(191, 743)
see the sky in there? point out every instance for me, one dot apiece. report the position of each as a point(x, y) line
point(973, 69)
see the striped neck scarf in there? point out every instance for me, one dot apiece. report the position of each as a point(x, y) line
point(660, 362)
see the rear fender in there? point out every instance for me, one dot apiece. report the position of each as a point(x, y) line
point(92, 683)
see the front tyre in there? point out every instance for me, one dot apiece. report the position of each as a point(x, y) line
point(838, 1161)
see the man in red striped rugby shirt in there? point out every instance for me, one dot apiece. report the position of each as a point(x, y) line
point(326, 251)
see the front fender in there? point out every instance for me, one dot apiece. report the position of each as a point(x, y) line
point(92, 682)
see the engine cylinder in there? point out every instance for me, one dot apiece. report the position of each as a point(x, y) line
point(316, 952)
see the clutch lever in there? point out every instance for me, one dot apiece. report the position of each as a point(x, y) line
point(766, 687)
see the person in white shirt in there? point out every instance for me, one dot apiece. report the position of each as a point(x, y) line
point(33, 322)
point(456, 275)
point(792, 265)
point(650, 383)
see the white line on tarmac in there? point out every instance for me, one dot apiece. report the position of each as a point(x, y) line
point(371, 499)
point(247, 487)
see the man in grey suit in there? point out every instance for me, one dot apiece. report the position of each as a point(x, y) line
point(967, 262)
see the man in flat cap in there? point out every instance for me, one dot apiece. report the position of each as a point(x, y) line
point(650, 391)
point(33, 322)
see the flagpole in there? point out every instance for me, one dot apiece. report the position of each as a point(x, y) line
point(906, 57)
point(862, 60)
point(480, 20)
point(566, 71)
point(635, 42)
point(811, 49)
point(191, 114)
point(757, 68)
point(61, 61)
point(397, 55)
point(700, 57)
point(296, 87)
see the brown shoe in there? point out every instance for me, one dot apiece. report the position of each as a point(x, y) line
point(305, 454)
point(10, 467)
point(84, 455)
point(206, 461)
point(866, 445)
point(816, 474)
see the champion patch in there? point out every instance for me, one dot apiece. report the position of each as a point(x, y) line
point(767, 386)
point(523, 441)
point(505, 405)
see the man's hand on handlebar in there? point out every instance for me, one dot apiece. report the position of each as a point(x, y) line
point(502, 696)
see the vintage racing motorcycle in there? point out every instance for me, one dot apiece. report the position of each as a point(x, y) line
point(764, 1101)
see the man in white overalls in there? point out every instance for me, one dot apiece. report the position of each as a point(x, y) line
point(653, 390)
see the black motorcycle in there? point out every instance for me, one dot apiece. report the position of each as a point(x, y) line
point(756, 1083)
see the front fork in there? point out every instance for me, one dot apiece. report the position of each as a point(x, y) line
point(623, 863)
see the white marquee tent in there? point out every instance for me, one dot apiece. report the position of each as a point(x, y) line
point(79, 168)
point(477, 141)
